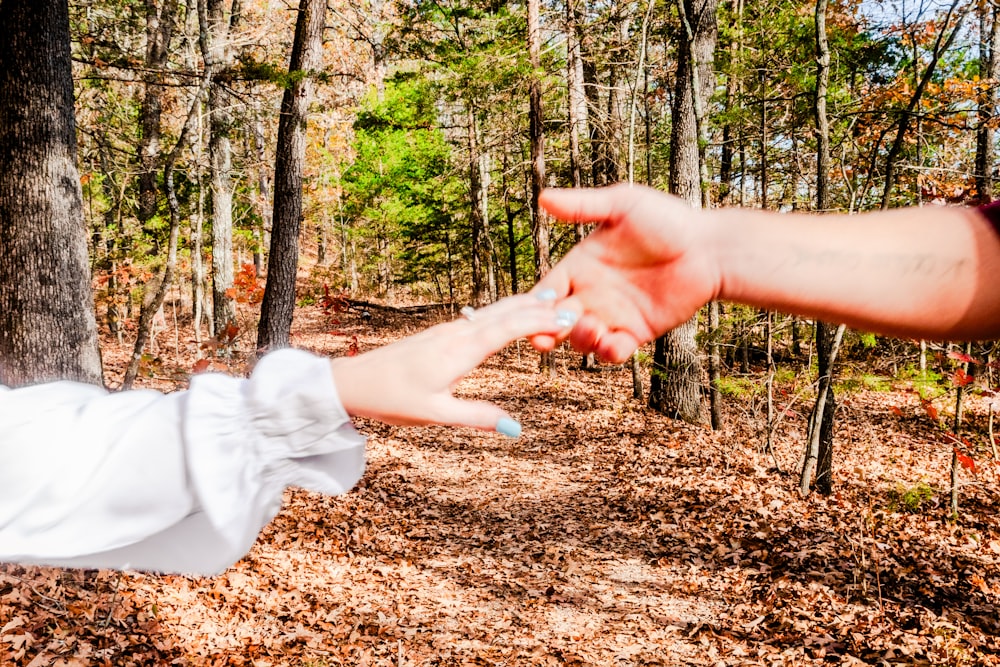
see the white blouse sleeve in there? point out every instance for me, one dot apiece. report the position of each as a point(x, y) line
point(180, 482)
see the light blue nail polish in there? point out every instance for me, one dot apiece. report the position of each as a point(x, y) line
point(546, 295)
point(508, 427)
point(566, 318)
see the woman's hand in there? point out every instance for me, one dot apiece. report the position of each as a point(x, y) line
point(410, 382)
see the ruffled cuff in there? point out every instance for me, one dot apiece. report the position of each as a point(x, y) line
point(292, 430)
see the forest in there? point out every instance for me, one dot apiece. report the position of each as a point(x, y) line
point(752, 488)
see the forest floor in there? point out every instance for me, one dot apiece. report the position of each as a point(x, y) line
point(606, 535)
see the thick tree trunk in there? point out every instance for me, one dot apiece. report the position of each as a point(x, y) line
point(675, 382)
point(283, 259)
point(675, 385)
point(47, 325)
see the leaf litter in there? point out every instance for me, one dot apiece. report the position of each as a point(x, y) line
point(605, 535)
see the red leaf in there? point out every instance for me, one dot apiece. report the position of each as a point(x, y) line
point(961, 379)
point(896, 411)
point(201, 365)
point(929, 408)
point(961, 356)
point(966, 461)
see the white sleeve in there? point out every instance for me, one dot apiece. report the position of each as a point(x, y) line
point(180, 482)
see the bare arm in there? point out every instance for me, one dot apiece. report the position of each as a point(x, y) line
point(923, 272)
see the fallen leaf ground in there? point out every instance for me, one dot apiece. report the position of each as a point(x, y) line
point(605, 535)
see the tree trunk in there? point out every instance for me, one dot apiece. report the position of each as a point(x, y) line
point(539, 218)
point(480, 256)
point(283, 259)
point(215, 36)
point(732, 95)
point(48, 329)
point(675, 385)
point(576, 96)
point(160, 22)
point(820, 448)
point(989, 63)
point(511, 230)
point(262, 231)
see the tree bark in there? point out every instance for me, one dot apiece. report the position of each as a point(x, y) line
point(539, 218)
point(160, 22)
point(989, 63)
point(480, 256)
point(675, 385)
point(819, 456)
point(733, 93)
point(275, 325)
point(48, 329)
point(215, 36)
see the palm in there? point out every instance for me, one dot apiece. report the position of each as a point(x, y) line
point(638, 275)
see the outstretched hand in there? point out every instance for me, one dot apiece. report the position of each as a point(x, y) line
point(642, 272)
point(410, 382)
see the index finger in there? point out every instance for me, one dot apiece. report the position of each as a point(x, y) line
point(584, 204)
point(493, 329)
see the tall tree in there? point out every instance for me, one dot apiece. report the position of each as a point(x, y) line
point(819, 456)
point(539, 220)
point(675, 385)
point(536, 120)
point(279, 293)
point(160, 21)
point(989, 67)
point(477, 214)
point(216, 30)
point(47, 325)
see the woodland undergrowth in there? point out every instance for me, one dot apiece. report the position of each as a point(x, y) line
point(605, 535)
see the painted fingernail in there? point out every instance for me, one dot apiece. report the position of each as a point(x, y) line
point(566, 318)
point(547, 294)
point(508, 427)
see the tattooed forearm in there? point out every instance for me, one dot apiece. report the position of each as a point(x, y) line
point(891, 265)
